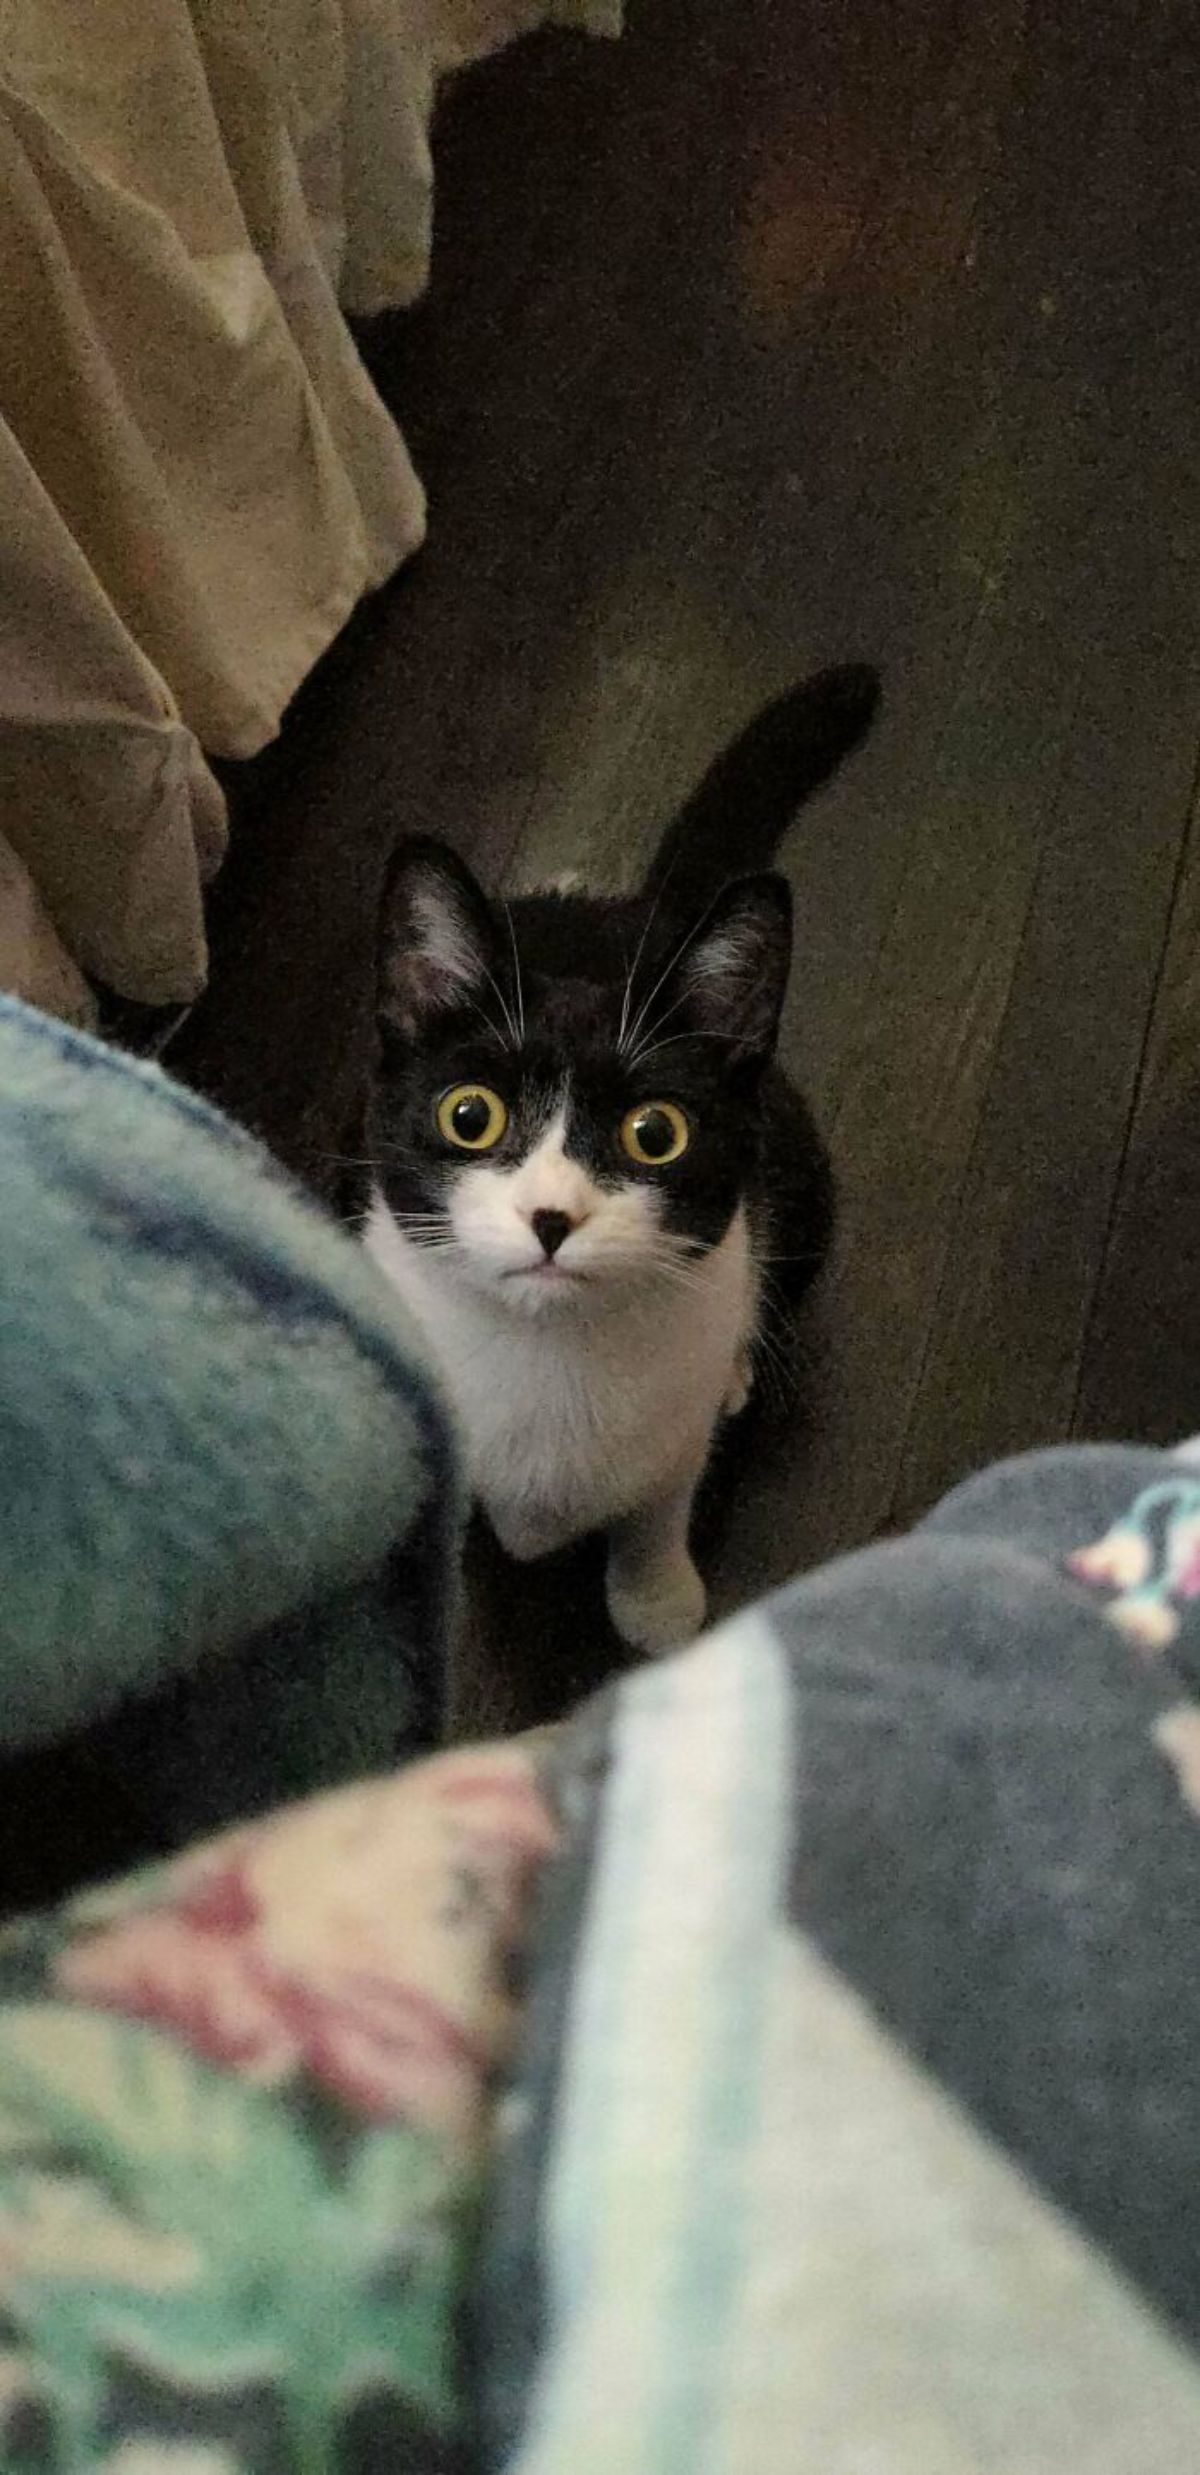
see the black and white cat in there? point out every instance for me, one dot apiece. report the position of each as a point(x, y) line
point(587, 1164)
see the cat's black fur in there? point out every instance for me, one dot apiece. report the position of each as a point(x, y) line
point(572, 967)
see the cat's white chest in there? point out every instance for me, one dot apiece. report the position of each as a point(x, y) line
point(572, 1421)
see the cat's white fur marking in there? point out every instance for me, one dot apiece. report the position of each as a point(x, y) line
point(722, 959)
point(587, 1396)
point(440, 939)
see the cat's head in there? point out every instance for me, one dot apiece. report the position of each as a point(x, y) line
point(567, 1101)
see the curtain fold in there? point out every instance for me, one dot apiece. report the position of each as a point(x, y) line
point(197, 478)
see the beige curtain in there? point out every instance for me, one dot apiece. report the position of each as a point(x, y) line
point(197, 479)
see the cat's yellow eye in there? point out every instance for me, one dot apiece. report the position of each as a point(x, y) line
point(471, 1117)
point(655, 1133)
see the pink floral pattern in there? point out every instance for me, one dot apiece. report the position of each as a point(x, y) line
point(365, 1939)
point(1149, 1561)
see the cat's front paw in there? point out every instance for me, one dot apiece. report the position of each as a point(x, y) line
point(659, 1608)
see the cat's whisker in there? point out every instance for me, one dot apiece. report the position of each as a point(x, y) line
point(631, 974)
point(518, 990)
point(779, 1393)
point(643, 1048)
point(671, 964)
point(774, 1346)
point(512, 1041)
point(779, 1374)
point(493, 1029)
point(676, 1040)
point(685, 1275)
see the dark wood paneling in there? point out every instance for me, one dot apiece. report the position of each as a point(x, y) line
point(771, 335)
point(1141, 1369)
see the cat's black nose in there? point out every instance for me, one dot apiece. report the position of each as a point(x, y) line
point(550, 1228)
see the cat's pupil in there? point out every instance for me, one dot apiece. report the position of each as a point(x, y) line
point(655, 1134)
point(472, 1118)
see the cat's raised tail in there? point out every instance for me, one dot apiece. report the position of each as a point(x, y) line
point(736, 819)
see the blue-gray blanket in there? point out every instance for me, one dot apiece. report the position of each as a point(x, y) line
point(227, 1495)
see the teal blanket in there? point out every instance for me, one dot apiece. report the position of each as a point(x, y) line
point(228, 1501)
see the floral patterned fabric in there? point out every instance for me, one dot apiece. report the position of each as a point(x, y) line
point(1149, 1560)
point(243, 2116)
point(1146, 1571)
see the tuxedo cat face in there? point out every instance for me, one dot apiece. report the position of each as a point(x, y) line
point(567, 1104)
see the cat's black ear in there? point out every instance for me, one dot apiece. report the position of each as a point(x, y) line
point(734, 972)
point(437, 944)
